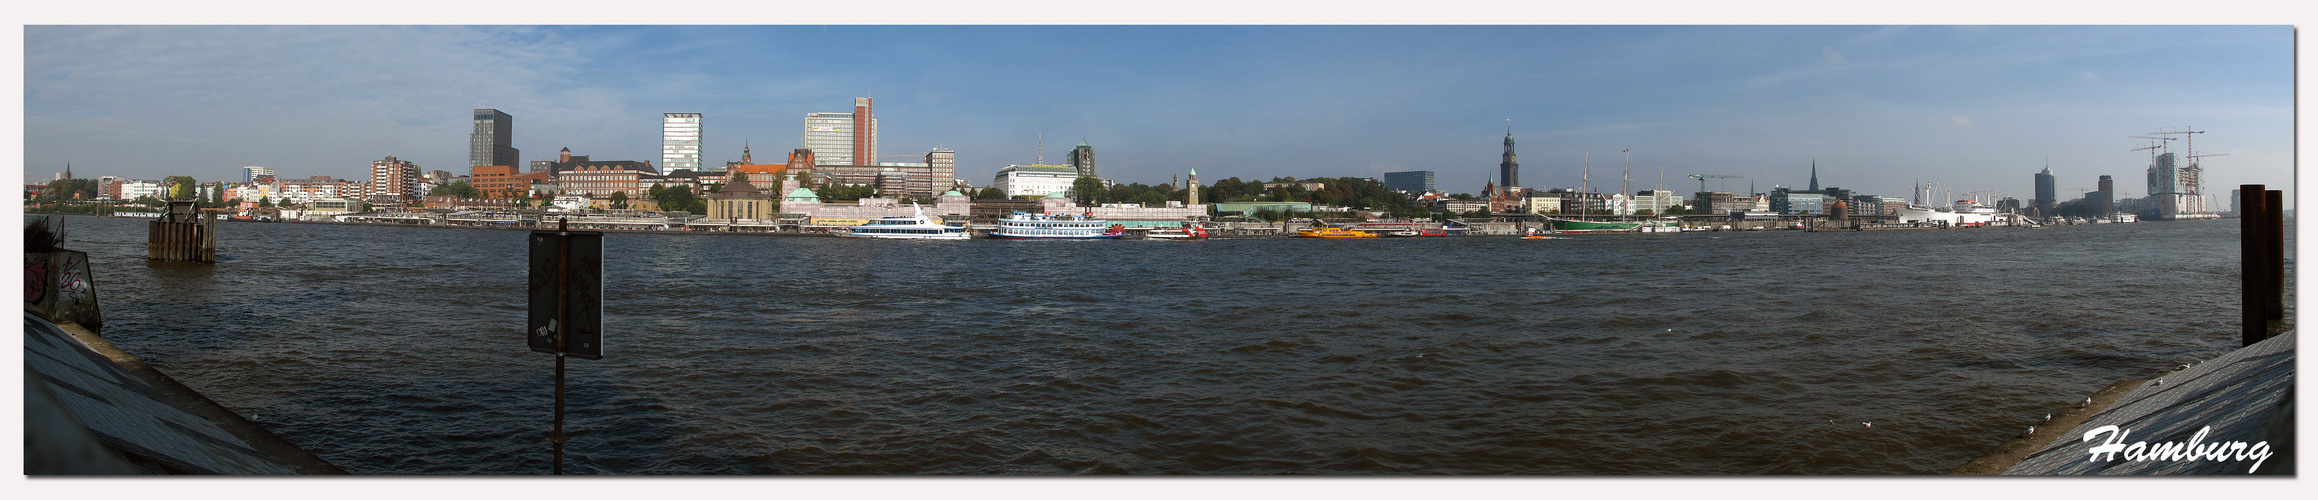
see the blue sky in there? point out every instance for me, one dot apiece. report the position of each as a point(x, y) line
point(1974, 108)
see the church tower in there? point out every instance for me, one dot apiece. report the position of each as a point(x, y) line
point(1509, 170)
point(1814, 175)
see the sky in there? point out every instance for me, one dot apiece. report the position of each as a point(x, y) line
point(1876, 108)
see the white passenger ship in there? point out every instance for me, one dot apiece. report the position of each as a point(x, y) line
point(916, 227)
point(1028, 226)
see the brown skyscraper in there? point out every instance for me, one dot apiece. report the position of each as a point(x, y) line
point(864, 128)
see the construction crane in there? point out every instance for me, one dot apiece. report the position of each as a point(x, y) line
point(1703, 177)
point(2190, 145)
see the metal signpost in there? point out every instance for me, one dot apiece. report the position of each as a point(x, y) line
point(567, 297)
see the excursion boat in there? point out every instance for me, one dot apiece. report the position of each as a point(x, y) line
point(915, 227)
point(1405, 233)
point(1332, 233)
point(1585, 226)
point(1029, 226)
point(1187, 232)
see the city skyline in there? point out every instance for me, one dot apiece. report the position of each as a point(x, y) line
point(1877, 108)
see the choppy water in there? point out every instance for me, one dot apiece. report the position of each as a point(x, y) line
point(397, 350)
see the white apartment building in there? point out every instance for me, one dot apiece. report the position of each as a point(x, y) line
point(679, 142)
point(1035, 180)
point(131, 190)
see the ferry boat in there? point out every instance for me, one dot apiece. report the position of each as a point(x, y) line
point(1332, 233)
point(1028, 226)
point(1187, 232)
point(915, 227)
point(1583, 226)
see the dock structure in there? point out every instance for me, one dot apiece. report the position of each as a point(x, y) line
point(182, 234)
point(2245, 396)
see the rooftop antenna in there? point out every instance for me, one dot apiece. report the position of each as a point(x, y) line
point(1041, 148)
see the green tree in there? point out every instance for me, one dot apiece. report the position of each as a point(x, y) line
point(66, 189)
point(740, 177)
point(459, 188)
point(1088, 190)
point(676, 198)
point(990, 193)
point(620, 200)
point(180, 186)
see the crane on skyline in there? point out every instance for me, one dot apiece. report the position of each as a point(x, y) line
point(1703, 177)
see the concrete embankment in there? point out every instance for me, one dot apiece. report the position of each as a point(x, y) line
point(145, 422)
point(2233, 414)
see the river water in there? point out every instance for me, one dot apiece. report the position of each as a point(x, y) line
point(398, 350)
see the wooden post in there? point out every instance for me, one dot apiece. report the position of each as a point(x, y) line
point(2253, 260)
point(2274, 301)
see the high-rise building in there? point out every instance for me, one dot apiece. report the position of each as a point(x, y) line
point(493, 142)
point(864, 133)
point(1082, 158)
point(833, 137)
point(2104, 202)
point(1509, 170)
point(1416, 182)
point(830, 137)
point(252, 173)
point(679, 142)
point(2045, 199)
point(394, 181)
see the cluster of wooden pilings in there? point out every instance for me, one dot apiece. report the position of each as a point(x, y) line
point(183, 234)
point(2262, 253)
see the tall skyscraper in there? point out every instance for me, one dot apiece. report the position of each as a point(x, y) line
point(493, 142)
point(837, 138)
point(679, 142)
point(1413, 182)
point(1509, 170)
point(1082, 158)
point(2105, 202)
point(864, 133)
point(2045, 199)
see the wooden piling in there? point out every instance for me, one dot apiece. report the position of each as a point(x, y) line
point(2260, 288)
point(181, 236)
point(2274, 300)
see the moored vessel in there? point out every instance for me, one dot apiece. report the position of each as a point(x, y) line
point(914, 227)
point(1029, 226)
point(1187, 232)
point(1332, 233)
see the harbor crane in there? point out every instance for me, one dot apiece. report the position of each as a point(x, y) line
point(1703, 177)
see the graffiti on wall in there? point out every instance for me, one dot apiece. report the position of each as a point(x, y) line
point(36, 280)
point(73, 281)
